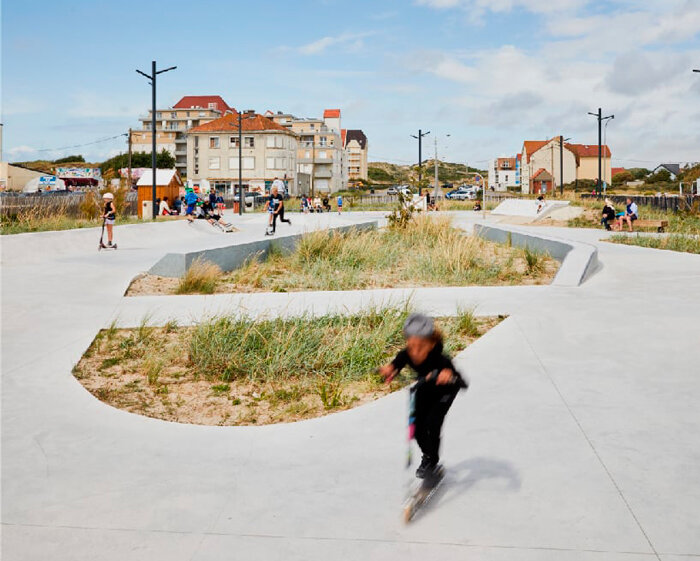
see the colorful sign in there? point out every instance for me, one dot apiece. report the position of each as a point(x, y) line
point(76, 172)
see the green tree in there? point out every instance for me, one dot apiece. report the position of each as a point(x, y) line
point(70, 159)
point(164, 160)
point(622, 177)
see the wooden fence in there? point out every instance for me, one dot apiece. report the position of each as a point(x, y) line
point(57, 203)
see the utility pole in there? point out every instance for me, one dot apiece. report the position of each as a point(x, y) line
point(420, 136)
point(240, 164)
point(599, 116)
point(152, 77)
point(561, 165)
point(313, 163)
point(435, 189)
point(129, 174)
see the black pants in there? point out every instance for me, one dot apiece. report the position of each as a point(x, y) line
point(432, 404)
point(281, 217)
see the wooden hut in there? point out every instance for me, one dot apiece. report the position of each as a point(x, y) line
point(168, 184)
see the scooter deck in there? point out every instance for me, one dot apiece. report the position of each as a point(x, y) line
point(423, 494)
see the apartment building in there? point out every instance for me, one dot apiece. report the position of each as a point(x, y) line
point(321, 161)
point(580, 161)
point(355, 145)
point(269, 150)
point(504, 173)
point(173, 123)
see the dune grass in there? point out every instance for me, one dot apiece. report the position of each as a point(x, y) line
point(428, 251)
point(237, 370)
point(201, 278)
point(672, 242)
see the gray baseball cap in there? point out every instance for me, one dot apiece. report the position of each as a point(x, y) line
point(418, 325)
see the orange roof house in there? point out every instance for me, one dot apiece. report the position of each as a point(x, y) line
point(203, 101)
point(331, 114)
point(249, 122)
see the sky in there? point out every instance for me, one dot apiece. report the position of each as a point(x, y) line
point(481, 75)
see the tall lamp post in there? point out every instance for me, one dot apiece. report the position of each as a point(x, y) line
point(152, 77)
point(599, 116)
point(436, 189)
point(562, 140)
point(420, 136)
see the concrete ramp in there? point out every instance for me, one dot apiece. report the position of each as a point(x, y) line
point(527, 208)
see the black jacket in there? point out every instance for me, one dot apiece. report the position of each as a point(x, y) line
point(435, 360)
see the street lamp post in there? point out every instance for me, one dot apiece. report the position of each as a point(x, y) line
point(152, 77)
point(420, 136)
point(562, 140)
point(240, 164)
point(599, 116)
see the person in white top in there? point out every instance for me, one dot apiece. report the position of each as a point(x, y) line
point(164, 208)
point(281, 189)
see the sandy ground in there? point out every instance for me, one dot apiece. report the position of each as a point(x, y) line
point(166, 388)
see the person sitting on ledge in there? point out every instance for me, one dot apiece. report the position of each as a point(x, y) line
point(631, 214)
point(608, 214)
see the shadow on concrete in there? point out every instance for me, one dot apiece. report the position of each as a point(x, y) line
point(465, 475)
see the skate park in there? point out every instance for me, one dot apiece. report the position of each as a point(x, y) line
point(576, 440)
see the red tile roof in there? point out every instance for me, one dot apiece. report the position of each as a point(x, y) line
point(589, 150)
point(615, 171)
point(331, 113)
point(190, 101)
point(252, 122)
point(546, 176)
point(343, 132)
point(532, 146)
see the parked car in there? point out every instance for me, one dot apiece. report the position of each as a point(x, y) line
point(460, 194)
point(392, 190)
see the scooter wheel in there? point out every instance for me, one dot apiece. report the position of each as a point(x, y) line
point(115, 246)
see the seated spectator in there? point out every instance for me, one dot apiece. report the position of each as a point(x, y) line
point(477, 205)
point(630, 215)
point(608, 214)
point(164, 208)
point(177, 205)
point(317, 204)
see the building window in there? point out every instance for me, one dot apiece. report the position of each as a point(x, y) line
point(270, 163)
point(215, 162)
point(322, 154)
point(307, 154)
point(248, 142)
point(248, 162)
point(202, 113)
point(213, 142)
point(322, 141)
point(159, 115)
point(173, 115)
point(212, 106)
point(233, 142)
point(270, 142)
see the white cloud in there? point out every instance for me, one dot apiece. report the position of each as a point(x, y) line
point(23, 150)
point(345, 41)
point(634, 61)
point(91, 104)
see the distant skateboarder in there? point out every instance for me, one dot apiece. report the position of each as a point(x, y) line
point(275, 207)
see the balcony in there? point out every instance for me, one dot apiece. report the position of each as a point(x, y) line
point(317, 160)
point(323, 173)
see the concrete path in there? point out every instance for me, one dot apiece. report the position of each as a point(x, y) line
point(577, 440)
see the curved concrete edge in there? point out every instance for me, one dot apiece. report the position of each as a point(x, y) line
point(578, 260)
point(233, 256)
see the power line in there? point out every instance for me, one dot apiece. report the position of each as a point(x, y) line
point(81, 145)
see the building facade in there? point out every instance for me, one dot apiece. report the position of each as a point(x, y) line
point(504, 173)
point(588, 162)
point(320, 152)
point(356, 147)
point(544, 154)
point(269, 151)
point(173, 123)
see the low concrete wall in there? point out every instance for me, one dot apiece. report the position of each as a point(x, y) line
point(578, 260)
point(231, 257)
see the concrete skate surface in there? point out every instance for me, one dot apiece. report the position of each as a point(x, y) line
point(578, 439)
